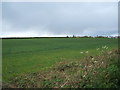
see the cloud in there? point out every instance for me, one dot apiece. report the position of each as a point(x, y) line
point(60, 0)
point(0, 16)
point(58, 19)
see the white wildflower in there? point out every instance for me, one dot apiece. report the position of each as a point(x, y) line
point(86, 52)
point(83, 75)
point(102, 62)
point(95, 61)
point(92, 58)
point(90, 66)
point(106, 47)
point(81, 52)
point(98, 48)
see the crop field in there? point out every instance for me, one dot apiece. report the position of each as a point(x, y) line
point(33, 55)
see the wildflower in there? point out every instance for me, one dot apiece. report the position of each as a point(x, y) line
point(83, 75)
point(98, 48)
point(86, 52)
point(90, 66)
point(85, 66)
point(102, 62)
point(81, 52)
point(95, 61)
point(92, 58)
point(106, 47)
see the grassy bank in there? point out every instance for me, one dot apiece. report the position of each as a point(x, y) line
point(101, 71)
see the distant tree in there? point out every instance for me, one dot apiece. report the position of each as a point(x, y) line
point(67, 36)
point(85, 36)
point(100, 37)
point(73, 36)
point(90, 37)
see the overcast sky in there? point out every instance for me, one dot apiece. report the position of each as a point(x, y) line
point(25, 19)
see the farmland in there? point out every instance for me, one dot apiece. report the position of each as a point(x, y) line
point(33, 55)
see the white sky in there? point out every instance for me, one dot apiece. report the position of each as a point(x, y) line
point(46, 19)
point(60, 0)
